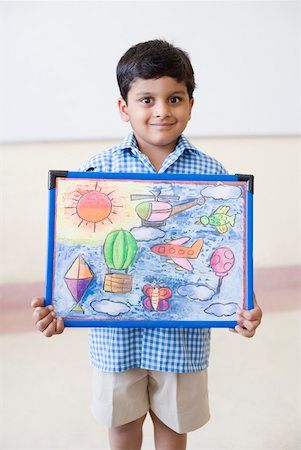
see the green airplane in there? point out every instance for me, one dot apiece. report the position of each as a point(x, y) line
point(220, 219)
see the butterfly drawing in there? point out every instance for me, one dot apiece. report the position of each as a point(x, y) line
point(156, 297)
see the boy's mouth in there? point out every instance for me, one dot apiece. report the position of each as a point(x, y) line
point(164, 124)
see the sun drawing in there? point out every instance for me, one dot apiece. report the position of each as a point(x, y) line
point(93, 206)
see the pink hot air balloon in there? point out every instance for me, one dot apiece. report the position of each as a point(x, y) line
point(221, 262)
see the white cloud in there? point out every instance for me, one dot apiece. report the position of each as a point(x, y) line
point(220, 309)
point(201, 292)
point(147, 233)
point(109, 307)
point(222, 192)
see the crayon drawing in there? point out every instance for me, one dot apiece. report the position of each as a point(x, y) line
point(129, 251)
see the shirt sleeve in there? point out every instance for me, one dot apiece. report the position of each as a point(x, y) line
point(212, 166)
point(222, 170)
point(93, 164)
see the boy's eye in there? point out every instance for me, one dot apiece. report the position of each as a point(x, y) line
point(146, 100)
point(175, 99)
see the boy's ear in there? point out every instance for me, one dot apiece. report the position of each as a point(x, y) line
point(191, 101)
point(123, 109)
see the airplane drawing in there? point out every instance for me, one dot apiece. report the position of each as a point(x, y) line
point(178, 253)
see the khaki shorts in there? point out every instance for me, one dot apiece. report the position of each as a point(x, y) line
point(179, 400)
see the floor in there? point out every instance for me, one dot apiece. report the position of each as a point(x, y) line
point(255, 385)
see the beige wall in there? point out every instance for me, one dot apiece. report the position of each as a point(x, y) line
point(275, 162)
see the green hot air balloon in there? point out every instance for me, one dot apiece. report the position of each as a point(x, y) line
point(120, 249)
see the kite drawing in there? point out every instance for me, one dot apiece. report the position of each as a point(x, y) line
point(77, 279)
point(134, 250)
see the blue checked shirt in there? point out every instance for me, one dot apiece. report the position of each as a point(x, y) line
point(165, 349)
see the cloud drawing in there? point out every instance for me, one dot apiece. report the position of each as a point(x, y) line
point(109, 307)
point(147, 233)
point(201, 292)
point(222, 192)
point(220, 309)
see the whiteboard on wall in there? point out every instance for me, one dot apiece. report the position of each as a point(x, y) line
point(58, 61)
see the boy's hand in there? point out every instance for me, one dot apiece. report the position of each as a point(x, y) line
point(45, 319)
point(248, 320)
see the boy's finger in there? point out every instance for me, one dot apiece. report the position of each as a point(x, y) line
point(252, 314)
point(45, 322)
point(41, 312)
point(50, 330)
point(233, 330)
point(249, 325)
point(59, 325)
point(36, 302)
point(244, 332)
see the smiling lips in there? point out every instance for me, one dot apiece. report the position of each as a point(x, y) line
point(162, 124)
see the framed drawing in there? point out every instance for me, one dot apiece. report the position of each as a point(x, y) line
point(138, 250)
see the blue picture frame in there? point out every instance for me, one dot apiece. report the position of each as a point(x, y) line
point(144, 250)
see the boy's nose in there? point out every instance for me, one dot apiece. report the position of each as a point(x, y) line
point(162, 110)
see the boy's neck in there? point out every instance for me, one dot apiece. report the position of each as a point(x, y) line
point(156, 155)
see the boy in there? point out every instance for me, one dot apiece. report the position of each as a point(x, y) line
point(160, 371)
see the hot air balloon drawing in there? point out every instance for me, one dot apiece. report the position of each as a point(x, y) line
point(77, 278)
point(120, 249)
point(221, 262)
point(155, 212)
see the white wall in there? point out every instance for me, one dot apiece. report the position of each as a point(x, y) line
point(58, 59)
point(57, 83)
point(275, 162)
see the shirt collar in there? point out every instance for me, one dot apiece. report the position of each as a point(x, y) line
point(130, 143)
point(183, 144)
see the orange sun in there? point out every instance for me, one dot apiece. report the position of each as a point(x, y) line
point(93, 206)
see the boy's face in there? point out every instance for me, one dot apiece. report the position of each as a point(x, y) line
point(158, 110)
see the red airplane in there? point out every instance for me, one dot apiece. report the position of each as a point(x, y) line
point(178, 253)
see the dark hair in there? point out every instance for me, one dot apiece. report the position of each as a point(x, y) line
point(154, 59)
